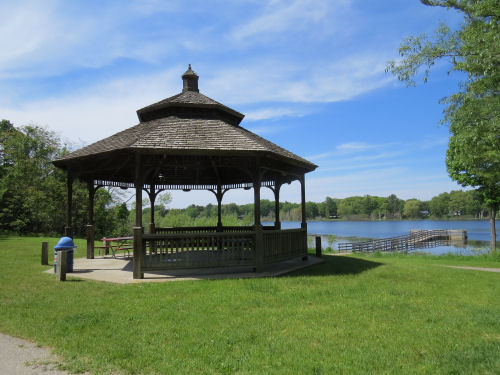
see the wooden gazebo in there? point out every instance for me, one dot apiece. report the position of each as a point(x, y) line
point(191, 142)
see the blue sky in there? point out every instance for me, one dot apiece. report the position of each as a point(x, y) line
point(308, 75)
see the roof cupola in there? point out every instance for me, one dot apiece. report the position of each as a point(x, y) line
point(190, 80)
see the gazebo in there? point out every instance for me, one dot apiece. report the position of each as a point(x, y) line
point(191, 142)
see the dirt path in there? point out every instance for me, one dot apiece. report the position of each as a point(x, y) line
point(21, 357)
point(476, 268)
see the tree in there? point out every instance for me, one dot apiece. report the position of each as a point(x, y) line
point(439, 205)
point(394, 206)
point(311, 210)
point(32, 191)
point(330, 208)
point(473, 114)
point(411, 209)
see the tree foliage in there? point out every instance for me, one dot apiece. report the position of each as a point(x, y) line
point(33, 191)
point(473, 113)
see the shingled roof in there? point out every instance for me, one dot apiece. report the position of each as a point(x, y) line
point(179, 131)
point(188, 123)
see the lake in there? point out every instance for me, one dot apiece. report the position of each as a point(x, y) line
point(478, 232)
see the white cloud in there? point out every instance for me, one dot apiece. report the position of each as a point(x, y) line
point(54, 37)
point(98, 111)
point(274, 113)
point(433, 142)
point(361, 149)
point(279, 17)
point(277, 81)
point(355, 146)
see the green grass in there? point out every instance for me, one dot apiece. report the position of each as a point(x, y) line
point(355, 315)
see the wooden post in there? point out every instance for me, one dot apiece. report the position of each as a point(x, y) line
point(256, 199)
point(303, 224)
point(303, 201)
point(152, 199)
point(318, 246)
point(68, 230)
point(62, 257)
point(259, 248)
point(45, 253)
point(138, 193)
point(138, 229)
point(219, 207)
point(277, 222)
point(138, 253)
point(493, 214)
point(90, 241)
point(90, 225)
point(259, 235)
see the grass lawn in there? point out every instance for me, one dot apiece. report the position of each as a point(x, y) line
point(353, 315)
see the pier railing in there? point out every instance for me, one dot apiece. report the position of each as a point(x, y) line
point(414, 240)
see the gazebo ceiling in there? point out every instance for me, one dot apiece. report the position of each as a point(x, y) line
point(187, 139)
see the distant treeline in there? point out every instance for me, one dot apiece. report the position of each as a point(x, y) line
point(32, 197)
point(456, 204)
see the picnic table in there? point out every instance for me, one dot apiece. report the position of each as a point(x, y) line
point(116, 244)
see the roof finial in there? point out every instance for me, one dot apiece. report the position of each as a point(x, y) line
point(190, 80)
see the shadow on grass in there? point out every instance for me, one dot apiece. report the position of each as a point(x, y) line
point(338, 265)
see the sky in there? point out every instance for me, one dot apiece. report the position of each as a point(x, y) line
point(308, 75)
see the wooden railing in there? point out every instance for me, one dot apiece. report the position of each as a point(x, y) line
point(416, 239)
point(194, 250)
point(198, 247)
point(226, 229)
point(284, 244)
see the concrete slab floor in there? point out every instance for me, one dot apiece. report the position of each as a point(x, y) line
point(120, 271)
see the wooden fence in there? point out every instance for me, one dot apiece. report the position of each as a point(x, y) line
point(284, 244)
point(205, 247)
point(193, 250)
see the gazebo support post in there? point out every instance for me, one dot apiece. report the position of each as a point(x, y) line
point(276, 190)
point(138, 229)
point(68, 230)
point(90, 225)
point(303, 224)
point(219, 207)
point(259, 235)
point(152, 199)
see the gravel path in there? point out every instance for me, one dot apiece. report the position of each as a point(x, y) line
point(21, 357)
point(476, 268)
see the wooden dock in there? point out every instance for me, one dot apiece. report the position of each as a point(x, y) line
point(416, 239)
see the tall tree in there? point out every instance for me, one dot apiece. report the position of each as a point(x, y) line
point(411, 209)
point(330, 208)
point(394, 206)
point(473, 114)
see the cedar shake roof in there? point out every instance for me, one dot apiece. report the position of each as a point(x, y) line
point(189, 97)
point(185, 99)
point(188, 123)
point(188, 134)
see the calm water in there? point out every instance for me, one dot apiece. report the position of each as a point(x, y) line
point(478, 232)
